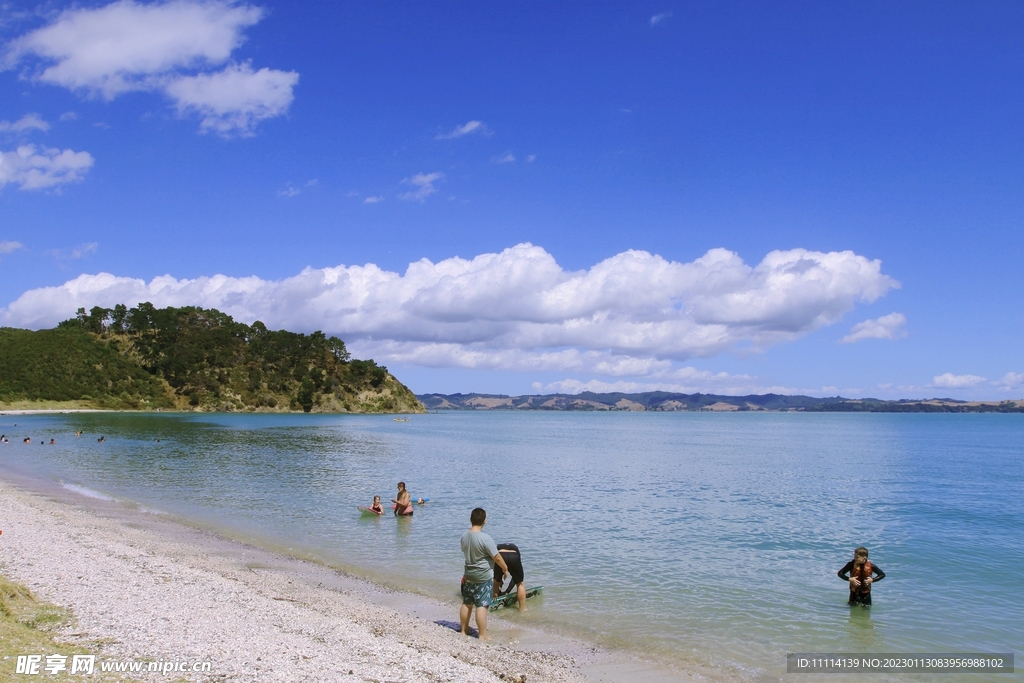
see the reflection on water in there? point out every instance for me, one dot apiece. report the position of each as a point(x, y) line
point(861, 635)
point(710, 538)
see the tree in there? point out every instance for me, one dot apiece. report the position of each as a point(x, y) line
point(306, 393)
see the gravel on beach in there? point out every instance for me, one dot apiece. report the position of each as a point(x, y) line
point(163, 591)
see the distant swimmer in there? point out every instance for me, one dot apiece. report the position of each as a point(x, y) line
point(52, 442)
point(403, 504)
point(27, 439)
point(78, 433)
point(101, 439)
point(422, 501)
point(858, 573)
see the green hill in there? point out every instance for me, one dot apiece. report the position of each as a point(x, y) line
point(190, 359)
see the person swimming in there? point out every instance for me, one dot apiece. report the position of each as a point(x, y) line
point(377, 507)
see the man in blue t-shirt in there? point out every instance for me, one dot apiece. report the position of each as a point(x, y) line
point(481, 555)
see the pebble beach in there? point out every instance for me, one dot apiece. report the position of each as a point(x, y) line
point(149, 588)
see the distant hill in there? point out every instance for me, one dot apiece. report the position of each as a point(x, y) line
point(663, 401)
point(190, 359)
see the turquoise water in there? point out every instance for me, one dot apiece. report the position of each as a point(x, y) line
point(710, 539)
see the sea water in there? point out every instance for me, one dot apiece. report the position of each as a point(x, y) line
point(710, 540)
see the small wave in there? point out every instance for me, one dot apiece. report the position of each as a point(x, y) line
point(87, 492)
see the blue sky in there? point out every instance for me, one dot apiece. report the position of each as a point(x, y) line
point(725, 197)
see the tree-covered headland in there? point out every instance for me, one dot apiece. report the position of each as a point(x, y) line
point(190, 358)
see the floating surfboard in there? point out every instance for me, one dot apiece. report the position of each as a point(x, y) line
point(367, 512)
point(510, 599)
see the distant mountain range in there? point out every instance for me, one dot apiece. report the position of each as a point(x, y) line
point(663, 401)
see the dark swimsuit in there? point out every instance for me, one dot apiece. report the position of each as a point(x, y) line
point(514, 561)
point(861, 597)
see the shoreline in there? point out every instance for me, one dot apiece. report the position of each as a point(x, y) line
point(153, 587)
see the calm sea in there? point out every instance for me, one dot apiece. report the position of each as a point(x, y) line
point(709, 539)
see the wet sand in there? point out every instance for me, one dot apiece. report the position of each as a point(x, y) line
point(149, 587)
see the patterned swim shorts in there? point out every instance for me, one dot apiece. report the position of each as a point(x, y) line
point(478, 594)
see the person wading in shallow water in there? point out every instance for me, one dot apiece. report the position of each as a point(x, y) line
point(857, 572)
point(481, 555)
point(514, 560)
point(402, 504)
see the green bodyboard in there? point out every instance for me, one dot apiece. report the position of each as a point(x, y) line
point(510, 599)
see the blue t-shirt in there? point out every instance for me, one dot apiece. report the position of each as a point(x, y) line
point(479, 549)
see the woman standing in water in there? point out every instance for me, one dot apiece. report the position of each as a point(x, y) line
point(858, 573)
point(403, 504)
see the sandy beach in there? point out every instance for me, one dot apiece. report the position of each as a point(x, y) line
point(149, 588)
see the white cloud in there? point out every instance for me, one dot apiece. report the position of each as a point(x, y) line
point(658, 18)
point(26, 122)
point(127, 46)
point(465, 129)
point(373, 200)
point(68, 116)
point(887, 327)
point(121, 47)
point(35, 168)
point(10, 247)
point(506, 158)
point(1011, 381)
point(424, 184)
point(531, 158)
point(632, 312)
point(75, 252)
point(951, 381)
point(236, 99)
point(289, 191)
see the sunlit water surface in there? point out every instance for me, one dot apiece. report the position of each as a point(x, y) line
point(710, 539)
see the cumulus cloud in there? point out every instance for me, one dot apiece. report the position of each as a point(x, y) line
point(506, 158)
point(630, 314)
point(373, 200)
point(423, 184)
point(887, 327)
point(465, 129)
point(10, 247)
point(127, 45)
point(35, 168)
point(951, 381)
point(1011, 381)
point(236, 99)
point(658, 18)
point(26, 122)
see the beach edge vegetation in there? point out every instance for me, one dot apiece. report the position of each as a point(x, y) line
point(189, 359)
